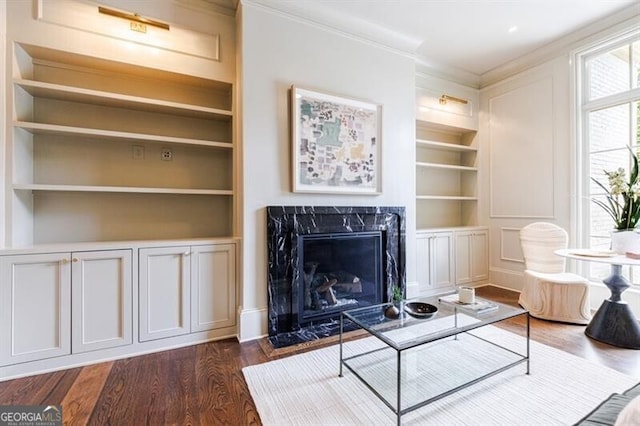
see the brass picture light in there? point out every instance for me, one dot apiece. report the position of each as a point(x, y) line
point(446, 98)
point(134, 17)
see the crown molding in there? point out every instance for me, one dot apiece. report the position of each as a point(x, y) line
point(313, 13)
point(455, 75)
point(617, 22)
point(326, 18)
point(223, 7)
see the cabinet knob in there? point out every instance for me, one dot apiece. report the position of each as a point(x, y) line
point(64, 261)
point(187, 253)
point(75, 259)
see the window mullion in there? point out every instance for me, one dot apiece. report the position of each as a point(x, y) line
point(611, 100)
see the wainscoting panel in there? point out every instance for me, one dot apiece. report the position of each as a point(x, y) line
point(521, 163)
point(510, 248)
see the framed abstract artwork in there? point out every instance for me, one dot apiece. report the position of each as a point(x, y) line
point(336, 144)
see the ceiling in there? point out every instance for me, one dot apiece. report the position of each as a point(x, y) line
point(468, 36)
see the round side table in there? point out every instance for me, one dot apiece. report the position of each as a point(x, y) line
point(614, 323)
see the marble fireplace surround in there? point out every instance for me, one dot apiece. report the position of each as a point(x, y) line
point(286, 223)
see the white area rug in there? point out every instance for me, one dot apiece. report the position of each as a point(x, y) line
point(305, 389)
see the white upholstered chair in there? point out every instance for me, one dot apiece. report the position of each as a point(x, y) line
point(549, 292)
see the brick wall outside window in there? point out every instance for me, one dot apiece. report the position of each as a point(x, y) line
point(609, 131)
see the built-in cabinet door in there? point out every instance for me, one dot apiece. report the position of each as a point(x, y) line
point(101, 292)
point(423, 265)
point(35, 307)
point(463, 257)
point(443, 274)
point(435, 267)
point(213, 287)
point(165, 277)
point(480, 258)
point(472, 260)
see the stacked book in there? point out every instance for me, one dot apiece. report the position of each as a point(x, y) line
point(478, 306)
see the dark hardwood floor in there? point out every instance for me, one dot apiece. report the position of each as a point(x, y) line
point(203, 384)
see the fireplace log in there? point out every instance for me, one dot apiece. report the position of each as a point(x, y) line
point(354, 287)
point(330, 296)
point(326, 285)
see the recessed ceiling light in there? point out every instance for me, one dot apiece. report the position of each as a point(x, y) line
point(513, 28)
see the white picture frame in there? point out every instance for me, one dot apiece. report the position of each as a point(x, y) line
point(336, 146)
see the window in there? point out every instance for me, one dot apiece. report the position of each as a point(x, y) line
point(609, 121)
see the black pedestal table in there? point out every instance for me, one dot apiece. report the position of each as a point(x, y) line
point(614, 323)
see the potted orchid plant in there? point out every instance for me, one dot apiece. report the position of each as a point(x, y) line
point(623, 205)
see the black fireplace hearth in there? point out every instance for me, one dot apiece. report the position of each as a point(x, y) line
point(323, 260)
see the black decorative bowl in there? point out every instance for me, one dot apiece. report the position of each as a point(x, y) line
point(420, 309)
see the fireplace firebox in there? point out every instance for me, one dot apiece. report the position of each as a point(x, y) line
point(323, 260)
point(339, 271)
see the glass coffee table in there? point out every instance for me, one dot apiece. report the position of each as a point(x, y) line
point(416, 361)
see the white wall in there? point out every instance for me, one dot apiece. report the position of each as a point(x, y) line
point(278, 51)
point(525, 129)
point(544, 188)
point(3, 101)
point(526, 124)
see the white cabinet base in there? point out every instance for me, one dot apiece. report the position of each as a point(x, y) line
point(68, 305)
point(186, 289)
point(35, 303)
point(435, 262)
point(472, 256)
point(447, 257)
point(164, 292)
point(101, 299)
point(213, 296)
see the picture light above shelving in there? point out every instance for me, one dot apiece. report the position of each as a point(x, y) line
point(133, 17)
point(448, 98)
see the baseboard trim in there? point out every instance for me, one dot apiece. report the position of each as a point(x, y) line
point(252, 323)
point(64, 362)
point(507, 279)
point(498, 286)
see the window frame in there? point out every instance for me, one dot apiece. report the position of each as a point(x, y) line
point(582, 108)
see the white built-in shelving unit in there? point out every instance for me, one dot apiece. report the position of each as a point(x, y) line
point(120, 231)
point(104, 151)
point(451, 247)
point(446, 176)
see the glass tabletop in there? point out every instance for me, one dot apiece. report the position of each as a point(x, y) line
point(408, 331)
